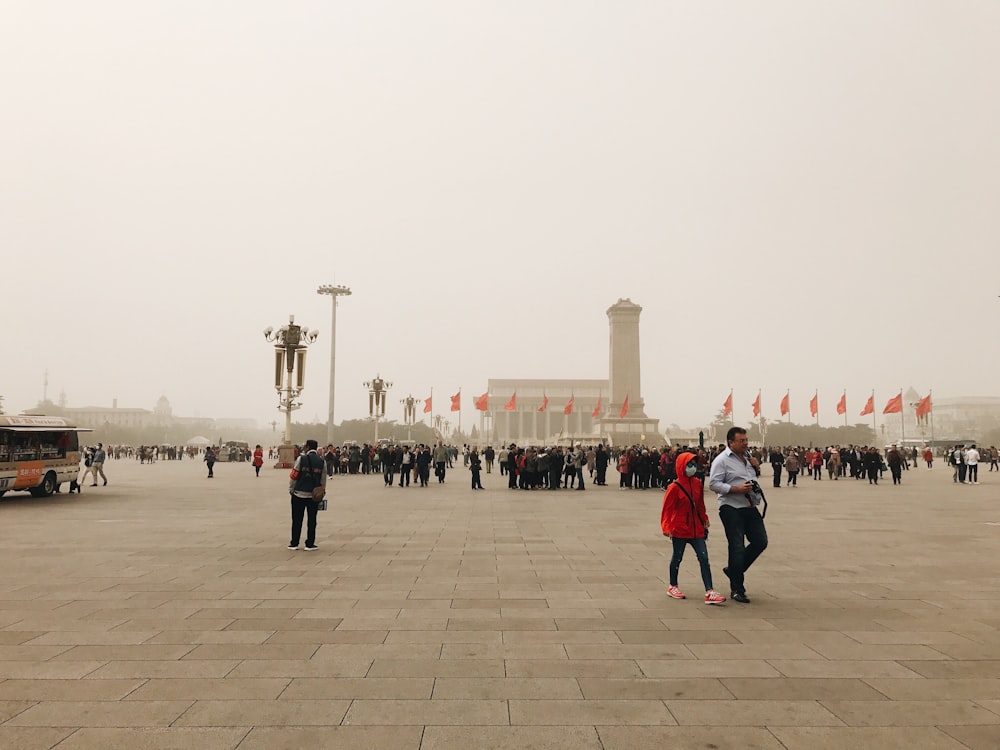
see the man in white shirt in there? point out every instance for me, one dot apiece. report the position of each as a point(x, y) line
point(972, 465)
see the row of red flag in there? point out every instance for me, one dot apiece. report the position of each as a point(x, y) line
point(893, 406)
point(482, 404)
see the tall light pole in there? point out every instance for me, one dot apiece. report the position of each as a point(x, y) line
point(334, 292)
point(290, 342)
point(377, 389)
point(409, 415)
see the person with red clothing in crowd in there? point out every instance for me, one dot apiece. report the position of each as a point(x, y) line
point(685, 520)
point(258, 459)
point(816, 462)
point(625, 470)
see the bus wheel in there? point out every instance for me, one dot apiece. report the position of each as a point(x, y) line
point(47, 487)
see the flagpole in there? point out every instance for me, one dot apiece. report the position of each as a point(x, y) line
point(874, 424)
point(460, 409)
point(732, 410)
point(788, 414)
point(432, 412)
point(816, 396)
point(902, 419)
point(932, 420)
point(844, 396)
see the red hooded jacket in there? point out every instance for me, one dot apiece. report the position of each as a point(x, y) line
point(684, 515)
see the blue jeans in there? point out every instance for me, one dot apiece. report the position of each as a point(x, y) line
point(740, 523)
point(701, 550)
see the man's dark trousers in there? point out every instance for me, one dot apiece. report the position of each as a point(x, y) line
point(740, 523)
point(777, 474)
point(301, 506)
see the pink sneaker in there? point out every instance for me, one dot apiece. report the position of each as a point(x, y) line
point(675, 592)
point(714, 597)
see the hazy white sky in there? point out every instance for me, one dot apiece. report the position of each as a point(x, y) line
point(800, 195)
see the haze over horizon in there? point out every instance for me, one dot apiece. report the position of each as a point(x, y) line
point(800, 196)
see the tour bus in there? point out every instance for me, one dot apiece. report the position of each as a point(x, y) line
point(37, 454)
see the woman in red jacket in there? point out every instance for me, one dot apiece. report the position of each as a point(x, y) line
point(258, 459)
point(685, 521)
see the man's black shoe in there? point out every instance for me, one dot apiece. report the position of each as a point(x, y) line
point(738, 597)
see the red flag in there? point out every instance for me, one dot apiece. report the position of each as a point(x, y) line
point(427, 405)
point(842, 404)
point(894, 405)
point(784, 405)
point(624, 411)
point(456, 401)
point(924, 406)
point(814, 404)
point(756, 405)
point(545, 403)
point(512, 404)
point(483, 402)
point(727, 405)
point(568, 409)
point(597, 409)
point(869, 406)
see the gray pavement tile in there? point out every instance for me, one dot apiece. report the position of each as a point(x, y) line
point(437, 668)
point(309, 688)
point(689, 688)
point(67, 689)
point(116, 670)
point(967, 688)
point(144, 652)
point(582, 712)
point(849, 669)
point(989, 668)
point(911, 713)
point(755, 712)
point(503, 651)
point(975, 737)
point(882, 738)
point(810, 689)
point(333, 738)
point(687, 738)
point(34, 738)
point(434, 712)
point(671, 668)
point(510, 738)
point(262, 713)
point(47, 670)
point(572, 668)
point(505, 688)
point(208, 689)
point(101, 714)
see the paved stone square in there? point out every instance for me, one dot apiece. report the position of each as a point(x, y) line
point(164, 611)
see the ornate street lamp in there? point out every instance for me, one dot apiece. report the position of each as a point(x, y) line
point(334, 291)
point(290, 342)
point(377, 389)
point(409, 414)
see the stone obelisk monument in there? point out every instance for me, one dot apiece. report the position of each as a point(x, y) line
point(624, 380)
point(623, 361)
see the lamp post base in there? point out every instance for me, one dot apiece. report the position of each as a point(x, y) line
point(286, 457)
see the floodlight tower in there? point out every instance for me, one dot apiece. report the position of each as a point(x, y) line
point(334, 292)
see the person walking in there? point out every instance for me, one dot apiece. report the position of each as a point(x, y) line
point(258, 459)
point(792, 467)
point(684, 519)
point(405, 465)
point(97, 467)
point(777, 460)
point(733, 477)
point(307, 474)
point(475, 466)
point(209, 461)
point(579, 461)
point(895, 461)
point(441, 459)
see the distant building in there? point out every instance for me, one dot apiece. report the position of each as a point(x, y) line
point(596, 413)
